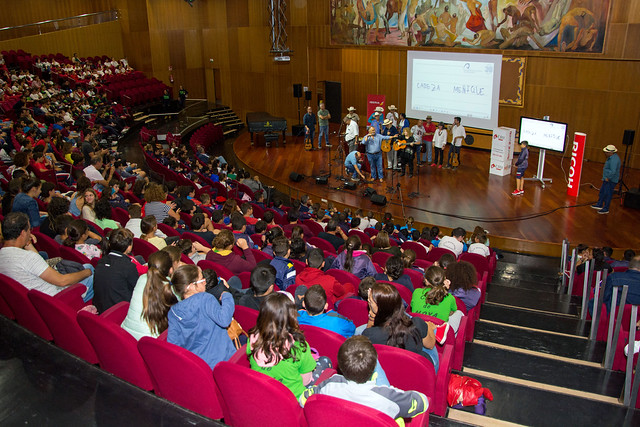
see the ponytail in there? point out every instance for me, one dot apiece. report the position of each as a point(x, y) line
point(352, 244)
point(158, 298)
point(435, 277)
point(75, 231)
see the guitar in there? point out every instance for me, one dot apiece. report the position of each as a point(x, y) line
point(308, 144)
point(386, 145)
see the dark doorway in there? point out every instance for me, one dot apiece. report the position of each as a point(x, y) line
point(333, 100)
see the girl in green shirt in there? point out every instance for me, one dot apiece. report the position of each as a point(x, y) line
point(435, 300)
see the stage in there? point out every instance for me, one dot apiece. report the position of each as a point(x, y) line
point(535, 222)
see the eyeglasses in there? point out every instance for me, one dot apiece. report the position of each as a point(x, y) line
point(197, 282)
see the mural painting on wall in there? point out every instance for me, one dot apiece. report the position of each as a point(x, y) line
point(550, 25)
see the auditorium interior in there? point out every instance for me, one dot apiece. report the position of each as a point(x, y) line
point(533, 339)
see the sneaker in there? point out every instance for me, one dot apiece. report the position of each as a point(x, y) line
point(520, 193)
point(329, 145)
point(515, 193)
point(603, 211)
point(441, 333)
point(439, 166)
point(636, 348)
point(433, 164)
point(355, 179)
point(447, 167)
point(596, 207)
point(402, 174)
point(381, 180)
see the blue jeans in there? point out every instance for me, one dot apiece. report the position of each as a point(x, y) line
point(428, 156)
point(606, 193)
point(375, 163)
point(88, 282)
point(433, 355)
point(352, 171)
point(323, 130)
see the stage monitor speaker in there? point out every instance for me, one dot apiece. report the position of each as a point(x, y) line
point(632, 198)
point(295, 177)
point(627, 139)
point(350, 185)
point(322, 180)
point(307, 95)
point(368, 192)
point(378, 199)
point(297, 91)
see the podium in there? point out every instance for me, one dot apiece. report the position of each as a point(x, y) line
point(502, 145)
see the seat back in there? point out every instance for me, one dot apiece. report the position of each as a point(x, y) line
point(354, 309)
point(255, 399)
point(322, 410)
point(364, 238)
point(326, 342)
point(417, 278)
point(420, 250)
point(180, 376)
point(220, 270)
point(168, 230)
point(322, 244)
point(344, 276)
point(381, 258)
point(26, 314)
point(46, 244)
point(260, 256)
point(5, 310)
point(62, 322)
point(117, 350)
point(480, 262)
point(314, 226)
point(404, 292)
point(247, 317)
point(195, 238)
point(435, 254)
point(143, 248)
point(423, 263)
point(120, 215)
point(71, 254)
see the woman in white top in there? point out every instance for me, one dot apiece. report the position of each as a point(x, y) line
point(439, 141)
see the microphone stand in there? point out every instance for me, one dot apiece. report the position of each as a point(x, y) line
point(416, 194)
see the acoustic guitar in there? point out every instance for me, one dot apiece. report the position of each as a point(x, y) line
point(386, 145)
point(308, 144)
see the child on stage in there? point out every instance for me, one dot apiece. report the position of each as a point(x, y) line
point(521, 165)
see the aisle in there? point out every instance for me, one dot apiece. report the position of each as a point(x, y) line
point(530, 349)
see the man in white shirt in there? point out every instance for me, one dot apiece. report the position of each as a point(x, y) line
point(454, 242)
point(458, 134)
point(20, 261)
point(92, 172)
point(351, 135)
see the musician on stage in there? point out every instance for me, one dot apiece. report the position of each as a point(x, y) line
point(323, 125)
point(407, 153)
point(458, 134)
point(352, 165)
point(427, 139)
point(309, 121)
point(373, 115)
point(375, 121)
point(392, 156)
point(418, 134)
point(393, 116)
point(373, 143)
point(351, 134)
point(351, 115)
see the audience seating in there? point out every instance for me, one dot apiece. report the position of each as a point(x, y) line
point(181, 377)
point(71, 254)
point(325, 341)
point(46, 244)
point(220, 270)
point(143, 248)
point(404, 292)
point(322, 244)
point(5, 310)
point(423, 263)
point(355, 309)
point(16, 296)
point(417, 278)
point(117, 350)
point(420, 250)
point(271, 403)
point(435, 254)
point(247, 317)
point(381, 258)
point(344, 277)
point(169, 231)
point(186, 260)
point(195, 238)
point(364, 238)
point(60, 317)
point(260, 256)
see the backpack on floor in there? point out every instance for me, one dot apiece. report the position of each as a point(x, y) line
point(465, 391)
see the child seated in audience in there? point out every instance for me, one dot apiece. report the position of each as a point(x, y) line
point(278, 348)
point(464, 280)
point(263, 280)
point(316, 313)
point(435, 300)
point(354, 260)
point(198, 322)
point(455, 242)
point(479, 245)
point(358, 358)
point(77, 233)
point(394, 272)
point(435, 235)
point(445, 261)
point(382, 243)
point(285, 270)
point(148, 228)
point(240, 228)
point(314, 275)
point(201, 226)
point(194, 250)
point(103, 214)
point(409, 258)
point(628, 255)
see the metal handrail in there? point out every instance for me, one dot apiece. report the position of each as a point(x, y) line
point(109, 15)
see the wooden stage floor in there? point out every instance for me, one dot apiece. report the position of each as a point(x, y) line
point(536, 222)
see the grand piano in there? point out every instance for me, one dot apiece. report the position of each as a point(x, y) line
point(269, 125)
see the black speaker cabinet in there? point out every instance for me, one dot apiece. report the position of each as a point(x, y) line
point(350, 185)
point(307, 95)
point(297, 130)
point(322, 180)
point(368, 192)
point(378, 199)
point(297, 91)
point(632, 198)
point(627, 139)
point(295, 177)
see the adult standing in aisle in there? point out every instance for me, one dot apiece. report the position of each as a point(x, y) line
point(610, 177)
point(323, 125)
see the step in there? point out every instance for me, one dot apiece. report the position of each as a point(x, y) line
point(589, 381)
point(436, 421)
point(538, 262)
point(533, 299)
point(534, 320)
point(525, 405)
point(563, 346)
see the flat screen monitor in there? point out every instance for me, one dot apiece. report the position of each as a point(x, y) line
point(543, 133)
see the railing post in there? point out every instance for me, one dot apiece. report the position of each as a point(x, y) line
point(572, 271)
point(563, 261)
point(630, 348)
point(614, 331)
point(585, 289)
point(595, 311)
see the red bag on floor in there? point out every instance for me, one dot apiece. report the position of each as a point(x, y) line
point(466, 391)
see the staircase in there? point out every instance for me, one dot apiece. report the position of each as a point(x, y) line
point(225, 117)
point(531, 350)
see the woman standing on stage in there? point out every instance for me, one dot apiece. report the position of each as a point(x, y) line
point(439, 141)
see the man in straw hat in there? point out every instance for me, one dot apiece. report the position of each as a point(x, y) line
point(393, 115)
point(351, 115)
point(379, 110)
point(610, 177)
point(392, 156)
point(375, 121)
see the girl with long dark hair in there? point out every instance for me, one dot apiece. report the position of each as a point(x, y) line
point(354, 260)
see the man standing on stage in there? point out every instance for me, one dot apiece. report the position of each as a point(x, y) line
point(418, 134)
point(392, 156)
point(351, 134)
point(374, 116)
point(352, 165)
point(373, 143)
point(393, 116)
point(375, 121)
point(309, 121)
point(351, 115)
point(429, 131)
point(610, 177)
point(457, 136)
point(323, 125)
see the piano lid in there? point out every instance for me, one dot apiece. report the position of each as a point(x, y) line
point(263, 122)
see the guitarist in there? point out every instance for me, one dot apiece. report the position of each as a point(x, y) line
point(309, 121)
point(406, 147)
point(458, 135)
point(373, 143)
point(392, 156)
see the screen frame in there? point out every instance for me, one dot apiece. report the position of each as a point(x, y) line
point(532, 144)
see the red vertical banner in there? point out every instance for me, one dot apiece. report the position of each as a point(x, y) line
point(374, 101)
point(575, 168)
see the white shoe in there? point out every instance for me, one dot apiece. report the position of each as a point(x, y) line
point(636, 348)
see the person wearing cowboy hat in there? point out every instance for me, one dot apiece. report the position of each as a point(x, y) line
point(610, 177)
point(351, 134)
point(351, 115)
point(375, 121)
point(393, 115)
point(392, 156)
point(378, 110)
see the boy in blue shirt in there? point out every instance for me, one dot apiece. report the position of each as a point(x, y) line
point(316, 314)
point(285, 270)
